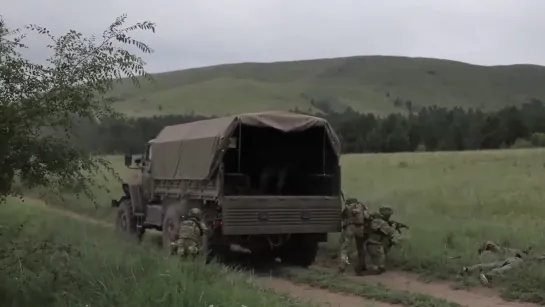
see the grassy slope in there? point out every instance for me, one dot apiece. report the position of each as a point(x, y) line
point(84, 265)
point(360, 82)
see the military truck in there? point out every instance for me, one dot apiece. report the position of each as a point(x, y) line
point(269, 183)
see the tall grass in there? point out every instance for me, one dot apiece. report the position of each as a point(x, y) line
point(57, 261)
point(454, 201)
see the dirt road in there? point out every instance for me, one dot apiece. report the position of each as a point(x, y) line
point(476, 297)
point(479, 297)
point(317, 296)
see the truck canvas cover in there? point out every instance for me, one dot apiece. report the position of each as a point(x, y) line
point(193, 150)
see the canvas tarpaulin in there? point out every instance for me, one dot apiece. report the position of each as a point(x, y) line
point(191, 151)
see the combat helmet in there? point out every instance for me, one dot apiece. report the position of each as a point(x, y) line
point(351, 201)
point(385, 211)
point(195, 213)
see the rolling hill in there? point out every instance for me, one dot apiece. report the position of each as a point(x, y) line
point(365, 83)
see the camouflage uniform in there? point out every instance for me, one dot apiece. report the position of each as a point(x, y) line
point(354, 216)
point(495, 268)
point(512, 258)
point(190, 232)
point(380, 232)
point(386, 242)
point(501, 250)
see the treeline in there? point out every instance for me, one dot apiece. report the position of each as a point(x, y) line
point(437, 128)
point(428, 129)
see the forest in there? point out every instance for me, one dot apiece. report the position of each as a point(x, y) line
point(426, 129)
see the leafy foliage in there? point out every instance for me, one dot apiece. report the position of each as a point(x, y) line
point(41, 103)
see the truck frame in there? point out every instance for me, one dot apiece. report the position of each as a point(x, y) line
point(219, 165)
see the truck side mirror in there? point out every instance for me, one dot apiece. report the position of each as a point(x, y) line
point(128, 160)
point(138, 161)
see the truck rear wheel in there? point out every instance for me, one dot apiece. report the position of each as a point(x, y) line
point(300, 253)
point(125, 221)
point(171, 223)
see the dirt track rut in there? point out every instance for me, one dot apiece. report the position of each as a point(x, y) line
point(480, 297)
point(317, 296)
point(476, 297)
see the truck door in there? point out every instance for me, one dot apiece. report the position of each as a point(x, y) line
point(147, 180)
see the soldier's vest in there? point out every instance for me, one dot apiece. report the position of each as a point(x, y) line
point(376, 236)
point(189, 229)
point(357, 215)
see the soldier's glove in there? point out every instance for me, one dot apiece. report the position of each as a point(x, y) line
point(398, 226)
point(527, 251)
point(396, 240)
point(345, 259)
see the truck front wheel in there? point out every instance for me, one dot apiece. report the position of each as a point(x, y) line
point(125, 221)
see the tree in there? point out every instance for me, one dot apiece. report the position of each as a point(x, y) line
point(39, 104)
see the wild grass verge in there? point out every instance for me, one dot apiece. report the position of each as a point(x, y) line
point(50, 260)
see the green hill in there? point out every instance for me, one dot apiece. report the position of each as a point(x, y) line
point(366, 83)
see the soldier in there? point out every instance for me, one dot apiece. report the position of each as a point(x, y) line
point(501, 250)
point(386, 243)
point(512, 258)
point(190, 232)
point(379, 231)
point(354, 216)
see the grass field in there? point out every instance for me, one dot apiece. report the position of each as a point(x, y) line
point(56, 261)
point(367, 83)
point(455, 201)
point(452, 201)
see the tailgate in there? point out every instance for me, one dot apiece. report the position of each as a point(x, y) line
point(253, 215)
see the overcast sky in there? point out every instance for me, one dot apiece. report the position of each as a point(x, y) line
point(193, 33)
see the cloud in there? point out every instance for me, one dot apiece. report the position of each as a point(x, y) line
point(197, 33)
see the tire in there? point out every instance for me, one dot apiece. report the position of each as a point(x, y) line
point(171, 223)
point(301, 253)
point(125, 221)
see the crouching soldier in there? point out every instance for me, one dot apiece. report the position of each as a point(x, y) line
point(379, 231)
point(354, 216)
point(190, 233)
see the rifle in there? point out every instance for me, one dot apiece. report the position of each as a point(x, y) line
point(398, 226)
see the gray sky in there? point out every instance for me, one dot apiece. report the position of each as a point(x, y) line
point(194, 33)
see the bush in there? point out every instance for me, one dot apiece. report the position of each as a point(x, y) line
point(522, 143)
point(538, 139)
